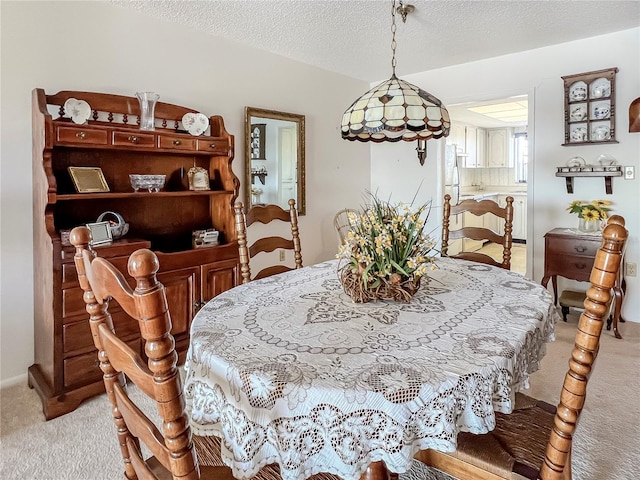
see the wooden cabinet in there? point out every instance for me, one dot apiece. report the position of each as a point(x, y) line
point(571, 255)
point(499, 148)
point(65, 371)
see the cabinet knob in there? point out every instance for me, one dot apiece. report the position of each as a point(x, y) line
point(133, 139)
point(177, 142)
point(581, 266)
point(580, 248)
point(81, 135)
point(212, 145)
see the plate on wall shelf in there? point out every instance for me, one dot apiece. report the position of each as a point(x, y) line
point(78, 110)
point(600, 87)
point(578, 92)
point(195, 123)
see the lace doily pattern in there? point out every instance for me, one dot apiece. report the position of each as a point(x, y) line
point(290, 370)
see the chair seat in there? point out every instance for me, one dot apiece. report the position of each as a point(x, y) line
point(209, 457)
point(514, 449)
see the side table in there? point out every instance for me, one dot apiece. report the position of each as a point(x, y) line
point(571, 255)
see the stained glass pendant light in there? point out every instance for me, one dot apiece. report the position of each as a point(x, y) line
point(396, 110)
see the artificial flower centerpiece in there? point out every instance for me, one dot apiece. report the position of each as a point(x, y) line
point(591, 214)
point(387, 252)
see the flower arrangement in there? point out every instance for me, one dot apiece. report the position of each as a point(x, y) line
point(590, 211)
point(387, 251)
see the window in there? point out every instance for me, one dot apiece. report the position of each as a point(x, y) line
point(521, 156)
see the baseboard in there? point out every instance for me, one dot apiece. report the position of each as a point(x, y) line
point(518, 240)
point(10, 382)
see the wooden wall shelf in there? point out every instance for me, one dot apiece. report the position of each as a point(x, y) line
point(571, 172)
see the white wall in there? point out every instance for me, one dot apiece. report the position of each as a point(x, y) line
point(538, 72)
point(94, 46)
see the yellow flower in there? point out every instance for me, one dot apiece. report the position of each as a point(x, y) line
point(601, 203)
point(590, 215)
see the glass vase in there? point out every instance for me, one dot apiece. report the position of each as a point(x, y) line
point(589, 226)
point(148, 102)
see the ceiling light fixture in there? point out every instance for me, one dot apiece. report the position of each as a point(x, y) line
point(396, 110)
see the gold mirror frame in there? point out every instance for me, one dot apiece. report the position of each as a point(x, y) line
point(259, 118)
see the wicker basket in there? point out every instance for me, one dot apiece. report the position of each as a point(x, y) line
point(393, 288)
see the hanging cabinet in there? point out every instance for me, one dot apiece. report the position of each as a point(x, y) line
point(66, 370)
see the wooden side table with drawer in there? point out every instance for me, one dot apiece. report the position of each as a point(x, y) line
point(571, 255)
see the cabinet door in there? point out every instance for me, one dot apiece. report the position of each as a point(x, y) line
point(457, 137)
point(481, 147)
point(498, 147)
point(520, 217)
point(183, 293)
point(218, 277)
point(471, 147)
point(489, 220)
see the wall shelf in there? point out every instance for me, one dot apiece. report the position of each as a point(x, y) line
point(607, 172)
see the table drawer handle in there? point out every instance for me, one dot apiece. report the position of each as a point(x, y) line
point(580, 248)
point(212, 145)
point(177, 142)
point(81, 135)
point(133, 139)
point(581, 266)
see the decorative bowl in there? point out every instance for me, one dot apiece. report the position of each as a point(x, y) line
point(153, 183)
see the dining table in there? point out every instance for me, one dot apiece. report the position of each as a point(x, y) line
point(290, 370)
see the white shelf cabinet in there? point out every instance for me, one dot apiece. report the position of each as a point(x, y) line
point(499, 148)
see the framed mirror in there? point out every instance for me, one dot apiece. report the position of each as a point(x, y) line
point(274, 158)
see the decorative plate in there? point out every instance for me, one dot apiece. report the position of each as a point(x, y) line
point(195, 123)
point(78, 110)
point(600, 132)
point(578, 113)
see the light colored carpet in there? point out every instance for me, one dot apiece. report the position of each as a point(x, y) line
point(82, 445)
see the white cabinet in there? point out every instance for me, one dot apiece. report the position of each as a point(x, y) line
point(519, 231)
point(470, 143)
point(457, 137)
point(499, 146)
point(490, 221)
point(471, 220)
point(481, 147)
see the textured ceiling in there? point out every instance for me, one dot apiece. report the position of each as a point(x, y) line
point(354, 37)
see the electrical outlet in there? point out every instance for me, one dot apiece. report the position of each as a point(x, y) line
point(282, 255)
point(629, 173)
point(630, 269)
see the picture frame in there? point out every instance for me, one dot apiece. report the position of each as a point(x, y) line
point(88, 179)
point(258, 141)
point(198, 179)
point(100, 233)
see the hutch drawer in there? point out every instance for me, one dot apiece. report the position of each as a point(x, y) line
point(133, 139)
point(77, 335)
point(176, 143)
point(82, 136)
point(212, 145)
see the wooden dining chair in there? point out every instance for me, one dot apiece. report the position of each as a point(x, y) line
point(266, 214)
point(175, 452)
point(341, 223)
point(479, 208)
point(534, 441)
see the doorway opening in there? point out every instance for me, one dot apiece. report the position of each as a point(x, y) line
point(492, 145)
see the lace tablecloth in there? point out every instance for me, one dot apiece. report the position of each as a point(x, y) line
point(289, 370)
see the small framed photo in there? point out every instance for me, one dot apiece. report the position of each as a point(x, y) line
point(100, 233)
point(88, 179)
point(198, 179)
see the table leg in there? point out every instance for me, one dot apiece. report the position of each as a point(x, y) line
point(378, 471)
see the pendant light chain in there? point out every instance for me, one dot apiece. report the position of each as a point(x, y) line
point(393, 38)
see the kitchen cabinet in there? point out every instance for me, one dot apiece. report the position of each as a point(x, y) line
point(65, 370)
point(490, 221)
point(471, 220)
point(457, 136)
point(519, 227)
point(481, 147)
point(471, 142)
point(499, 147)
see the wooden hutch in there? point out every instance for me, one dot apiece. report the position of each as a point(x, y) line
point(66, 369)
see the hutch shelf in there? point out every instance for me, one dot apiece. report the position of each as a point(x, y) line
point(66, 369)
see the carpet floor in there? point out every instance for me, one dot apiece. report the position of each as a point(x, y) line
point(82, 445)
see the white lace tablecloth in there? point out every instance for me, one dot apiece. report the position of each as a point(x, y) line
point(289, 370)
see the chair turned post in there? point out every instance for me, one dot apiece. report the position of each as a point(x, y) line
point(241, 230)
point(446, 213)
point(508, 231)
point(603, 277)
point(297, 248)
point(99, 315)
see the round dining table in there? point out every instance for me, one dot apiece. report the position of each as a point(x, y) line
point(289, 370)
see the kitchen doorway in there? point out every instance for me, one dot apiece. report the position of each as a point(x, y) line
point(492, 139)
